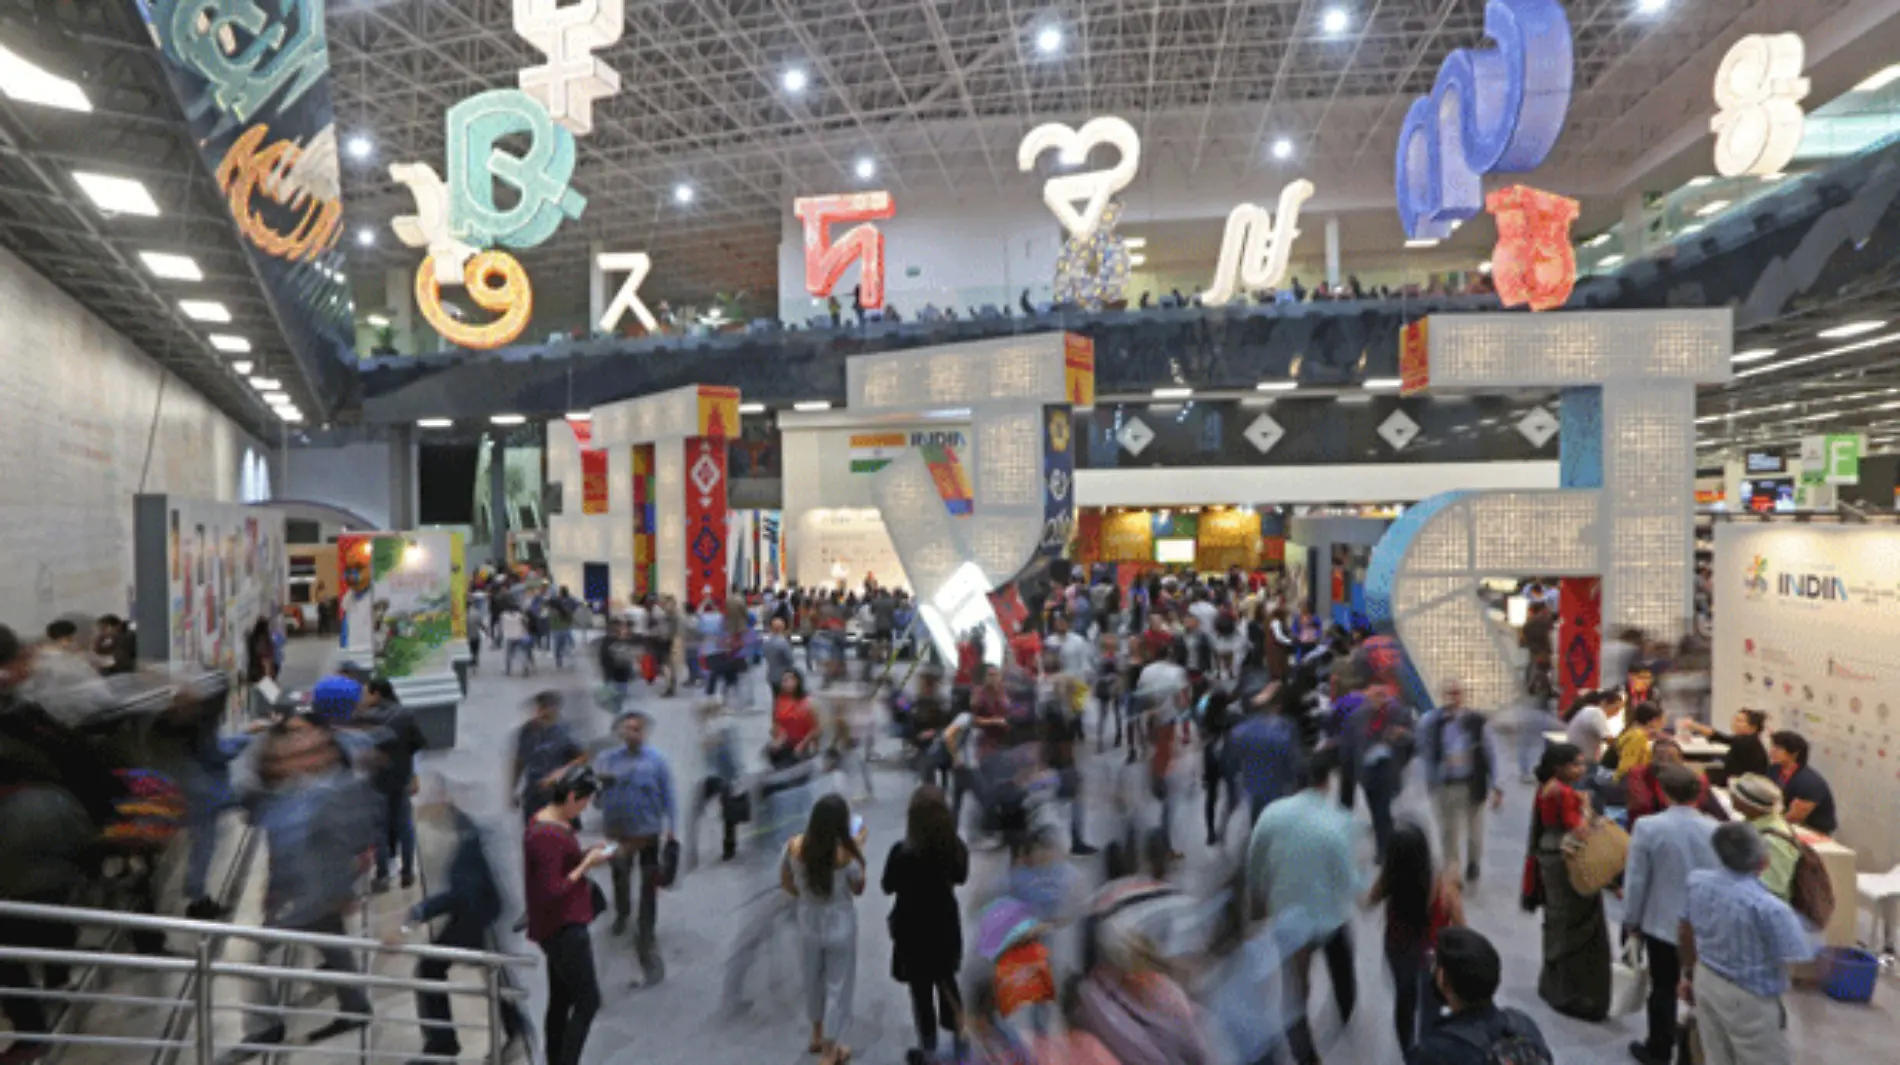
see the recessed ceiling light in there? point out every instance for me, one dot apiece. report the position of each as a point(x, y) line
point(1381, 384)
point(1597, 241)
point(434, 423)
point(1427, 242)
point(795, 80)
point(242, 367)
point(1691, 230)
point(276, 399)
point(266, 384)
point(682, 193)
point(366, 237)
point(1173, 393)
point(289, 414)
point(1133, 243)
point(378, 320)
point(1712, 207)
point(172, 267)
point(205, 310)
point(751, 408)
point(1651, 7)
point(812, 405)
point(1049, 40)
point(1881, 79)
point(229, 344)
point(116, 194)
point(866, 169)
point(507, 419)
point(28, 83)
point(360, 146)
point(1754, 354)
point(1276, 386)
point(1851, 329)
point(1283, 148)
point(1335, 21)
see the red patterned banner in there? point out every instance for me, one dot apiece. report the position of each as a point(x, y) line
point(643, 521)
point(1580, 611)
point(593, 469)
point(1088, 537)
point(1415, 358)
point(706, 514)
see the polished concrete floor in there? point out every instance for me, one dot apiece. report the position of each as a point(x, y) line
point(686, 1020)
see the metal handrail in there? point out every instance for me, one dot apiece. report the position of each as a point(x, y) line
point(202, 969)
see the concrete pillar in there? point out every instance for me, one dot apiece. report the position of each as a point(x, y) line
point(399, 295)
point(1635, 227)
point(596, 287)
point(402, 477)
point(498, 500)
point(1734, 472)
point(1332, 252)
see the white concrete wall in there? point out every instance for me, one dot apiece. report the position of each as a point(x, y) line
point(1184, 486)
point(80, 404)
point(355, 477)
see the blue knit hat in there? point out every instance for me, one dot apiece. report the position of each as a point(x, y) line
point(334, 699)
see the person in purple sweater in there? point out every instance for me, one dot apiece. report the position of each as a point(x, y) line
point(561, 903)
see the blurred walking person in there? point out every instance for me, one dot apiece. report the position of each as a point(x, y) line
point(639, 815)
point(922, 873)
point(823, 869)
point(561, 903)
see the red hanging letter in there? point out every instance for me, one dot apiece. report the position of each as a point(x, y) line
point(1533, 263)
point(826, 261)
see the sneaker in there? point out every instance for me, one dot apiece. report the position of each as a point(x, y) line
point(408, 881)
point(1083, 850)
point(379, 886)
point(340, 1026)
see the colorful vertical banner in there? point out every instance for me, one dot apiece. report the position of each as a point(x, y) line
point(1415, 358)
point(355, 563)
point(1088, 537)
point(718, 411)
point(1580, 616)
point(593, 469)
point(1272, 552)
point(413, 603)
point(1078, 369)
point(952, 480)
point(1058, 483)
point(458, 585)
point(706, 519)
point(644, 525)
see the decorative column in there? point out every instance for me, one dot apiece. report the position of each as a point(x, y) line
point(1332, 251)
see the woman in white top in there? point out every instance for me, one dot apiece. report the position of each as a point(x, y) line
point(823, 869)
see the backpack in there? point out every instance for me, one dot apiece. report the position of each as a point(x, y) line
point(1810, 893)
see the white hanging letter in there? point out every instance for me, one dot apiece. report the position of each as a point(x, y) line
point(636, 264)
point(1256, 246)
point(572, 78)
point(1759, 90)
point(429, 226)
point(1095, 186)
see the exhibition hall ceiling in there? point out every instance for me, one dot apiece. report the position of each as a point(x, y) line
point(747, 103)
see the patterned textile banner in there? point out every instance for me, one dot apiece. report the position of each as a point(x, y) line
point(953, 481)
point(1078, 369)
point(1058, 486)
point(1088, 537)
point(1580, 613)
point(718, 411)
point(593, 469)
point(1272, 551)
point(644, 524)
point(458, 585)
point(1228, 538)
point(1128, 536)
point(706, 514)
point(1415, 366)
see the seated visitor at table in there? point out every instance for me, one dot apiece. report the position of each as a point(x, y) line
point(1633, 746)
point(1588, 728)
point(1757, 800)
point(1810, 802)
point(1645, 791)
point(1746, 753)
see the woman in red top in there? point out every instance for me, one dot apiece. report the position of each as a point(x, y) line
point(794, 724)
point(561, 904)
point(1419, 903)
point(1576, 975)
point(1645, 793)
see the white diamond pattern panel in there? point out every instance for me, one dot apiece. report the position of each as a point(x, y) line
point(1263, 432)
point(1649, 458)
point(1016, 369)
point(1134, 435)
point(1008, 470)
point(1555, 350)
point(1538, 426)
point(1398, 430)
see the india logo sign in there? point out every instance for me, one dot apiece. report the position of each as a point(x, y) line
point(1491, 111)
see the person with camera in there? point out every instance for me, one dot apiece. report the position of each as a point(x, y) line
point(561, 903)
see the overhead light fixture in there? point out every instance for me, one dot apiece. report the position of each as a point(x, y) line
point(1701, 182)
point(1428, 242)
point(1484, 267)
point(1276, 386)
point(116, 195)
point(172, 267)
point(1712, 207)
point(1754, 355)
point(811, 405)
point(1137, 259)
point(1610, 260)
point(1691, 230)
point(1880, 79)
point(434, 423)
point(1851, 329)
point(580, 416)
point(1335, 21)
point(682, 193)
point(866, 169)
point(205, 310)
point(266, 384)
point(1769, 179)
point(1651, 7)
point(360, 146)
point(1134, 243)
point(795, 80)
point(507, 419)
point(289, 414)
point(1597, 241)
point(275, 399)
point(1049, 40)
point(751, 408)
point(29, 83)
point(1381, 384)
point(1173, 393)
point(242, 367)
point(233, 345)
point(1283, 148)
point(378, 320)
point(1802, 360)
point(365, 237)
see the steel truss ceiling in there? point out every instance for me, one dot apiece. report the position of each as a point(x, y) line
point(939, 93)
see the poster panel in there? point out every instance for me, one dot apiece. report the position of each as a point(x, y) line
point(413, 603)
point(1808, 619)
point(226, 570)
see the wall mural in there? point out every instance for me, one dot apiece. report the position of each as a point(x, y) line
point(252, 76)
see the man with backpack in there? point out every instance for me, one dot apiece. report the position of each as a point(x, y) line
point(1460, 753)
point(1475, 1031)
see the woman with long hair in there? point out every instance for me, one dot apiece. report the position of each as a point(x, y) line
point(823, 869)
point(1576, 975)
point(1420, 902)
point(922, 872)
point(794, 723)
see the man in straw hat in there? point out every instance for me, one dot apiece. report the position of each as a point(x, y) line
point(1757, 800)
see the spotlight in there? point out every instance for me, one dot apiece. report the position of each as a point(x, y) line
point(1335, 21)
point(1283, 149)
point(682, 193)
point(795, 81)
point(366, 237)
point(866, 169)
point(1049, 40)
point(360, 147)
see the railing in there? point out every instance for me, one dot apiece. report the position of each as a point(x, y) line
point(201, 970)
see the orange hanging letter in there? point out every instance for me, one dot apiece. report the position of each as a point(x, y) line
point(1533, 263)
point(826, 261)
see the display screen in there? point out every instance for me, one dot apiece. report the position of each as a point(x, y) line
point(1175, 551)
point(1762, 462)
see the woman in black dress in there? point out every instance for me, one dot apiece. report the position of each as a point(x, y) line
point(923, 871)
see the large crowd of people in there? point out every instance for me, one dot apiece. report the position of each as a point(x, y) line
point(1093, 947)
